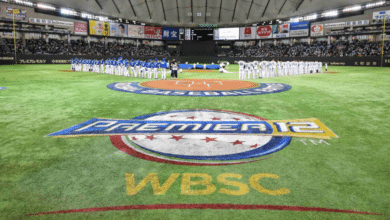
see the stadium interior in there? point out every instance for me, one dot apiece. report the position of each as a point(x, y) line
point(194, 109)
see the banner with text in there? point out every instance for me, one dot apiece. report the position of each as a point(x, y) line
point(170, 33)
point(135, 31)
point(264, 32)
point(19, 13)
point(99, 28)
point(317, 30)
point(118, 30)
point(153, 32)
point(299, 29)
point(247, 33)
point(80, 28)
point(381, 14)
point(281, 30)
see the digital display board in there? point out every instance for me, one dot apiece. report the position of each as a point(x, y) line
point(227, 34)
point(202, 34)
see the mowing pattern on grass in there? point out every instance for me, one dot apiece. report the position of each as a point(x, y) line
point(261, 89)
point(41, 174)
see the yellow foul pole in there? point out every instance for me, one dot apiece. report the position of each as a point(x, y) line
point(383, 39)
point(14, 23)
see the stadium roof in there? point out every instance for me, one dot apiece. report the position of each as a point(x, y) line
point(186, 12)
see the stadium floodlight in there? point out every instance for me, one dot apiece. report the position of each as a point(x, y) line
point(101, 18)
point(377, 4)
point(46, 7)
point(24, 3)
point(65, 11)
point(310, 17)
point(296, 19)
point(333, 13)
point(86, 15)
point(353, 8)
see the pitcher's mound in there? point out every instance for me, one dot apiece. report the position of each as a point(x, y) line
point(200, 84)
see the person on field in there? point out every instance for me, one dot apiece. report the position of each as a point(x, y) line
point(174, 68)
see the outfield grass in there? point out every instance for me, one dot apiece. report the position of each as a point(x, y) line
point(41, 174)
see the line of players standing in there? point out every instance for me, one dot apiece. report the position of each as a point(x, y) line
point(265, 69)
point(122, 67)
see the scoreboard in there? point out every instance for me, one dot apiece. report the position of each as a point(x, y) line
point(199, 34)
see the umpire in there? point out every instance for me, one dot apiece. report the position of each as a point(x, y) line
point(174, 68)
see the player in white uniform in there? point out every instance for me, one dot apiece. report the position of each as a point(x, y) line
point(256, 69)
point(241, 65)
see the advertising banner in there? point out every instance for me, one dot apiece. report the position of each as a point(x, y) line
point(19, 13)
point(381, 14)
point(264, 32)
point(357, 23)
point(170, 33)
point(40, 21)
point(281, 30)
point(135, 31)
point(335, 25)
point(317, 30)
point(99, 28)
point(118, 30)
point(229, 33)
point(247, 33)
point(80, 28)
point(153, 32)
point(62, 23)
point(299, 29)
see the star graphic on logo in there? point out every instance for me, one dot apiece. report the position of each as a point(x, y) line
point(215, 119)
point(254, 146)
point(193, 117)
point(237, 142)
point(207, 139)
point(177, 138)
point(134, 138)
point(150, 137)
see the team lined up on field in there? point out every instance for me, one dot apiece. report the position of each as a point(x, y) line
point(122, 67)
point(266, 69)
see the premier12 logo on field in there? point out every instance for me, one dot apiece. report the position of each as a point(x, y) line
point(199, 137)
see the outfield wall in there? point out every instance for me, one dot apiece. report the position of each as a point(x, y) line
point(332, 61)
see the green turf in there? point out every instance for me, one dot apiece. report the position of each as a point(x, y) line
point(41, 174)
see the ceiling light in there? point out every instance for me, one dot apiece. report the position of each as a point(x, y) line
point(24, 3)
point(377, 4)
point(310, 17)
point(330, 14)
point(353, 8)
point(65, 11)
point(296, 19)
point(86, 15)
point(46, 7)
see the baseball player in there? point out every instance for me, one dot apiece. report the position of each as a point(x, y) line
point(163, 66)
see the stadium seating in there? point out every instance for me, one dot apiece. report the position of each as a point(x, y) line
point(319, 49)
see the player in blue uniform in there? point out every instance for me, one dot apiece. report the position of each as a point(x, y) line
point(149, 68)
point(155, 68)
point(163, 66)
point(139, 67)
point(132, 68)
point(126, 68)
point(143, 69)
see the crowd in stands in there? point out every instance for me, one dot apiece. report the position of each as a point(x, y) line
point(79, 48)
point(61, 47)
point(318, 49)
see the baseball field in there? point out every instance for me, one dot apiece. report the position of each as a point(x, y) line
point(93, 177)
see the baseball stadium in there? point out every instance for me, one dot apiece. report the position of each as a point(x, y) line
point(194, 109)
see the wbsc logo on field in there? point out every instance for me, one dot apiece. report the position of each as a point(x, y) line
point(200, 137)
point(260, 89)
